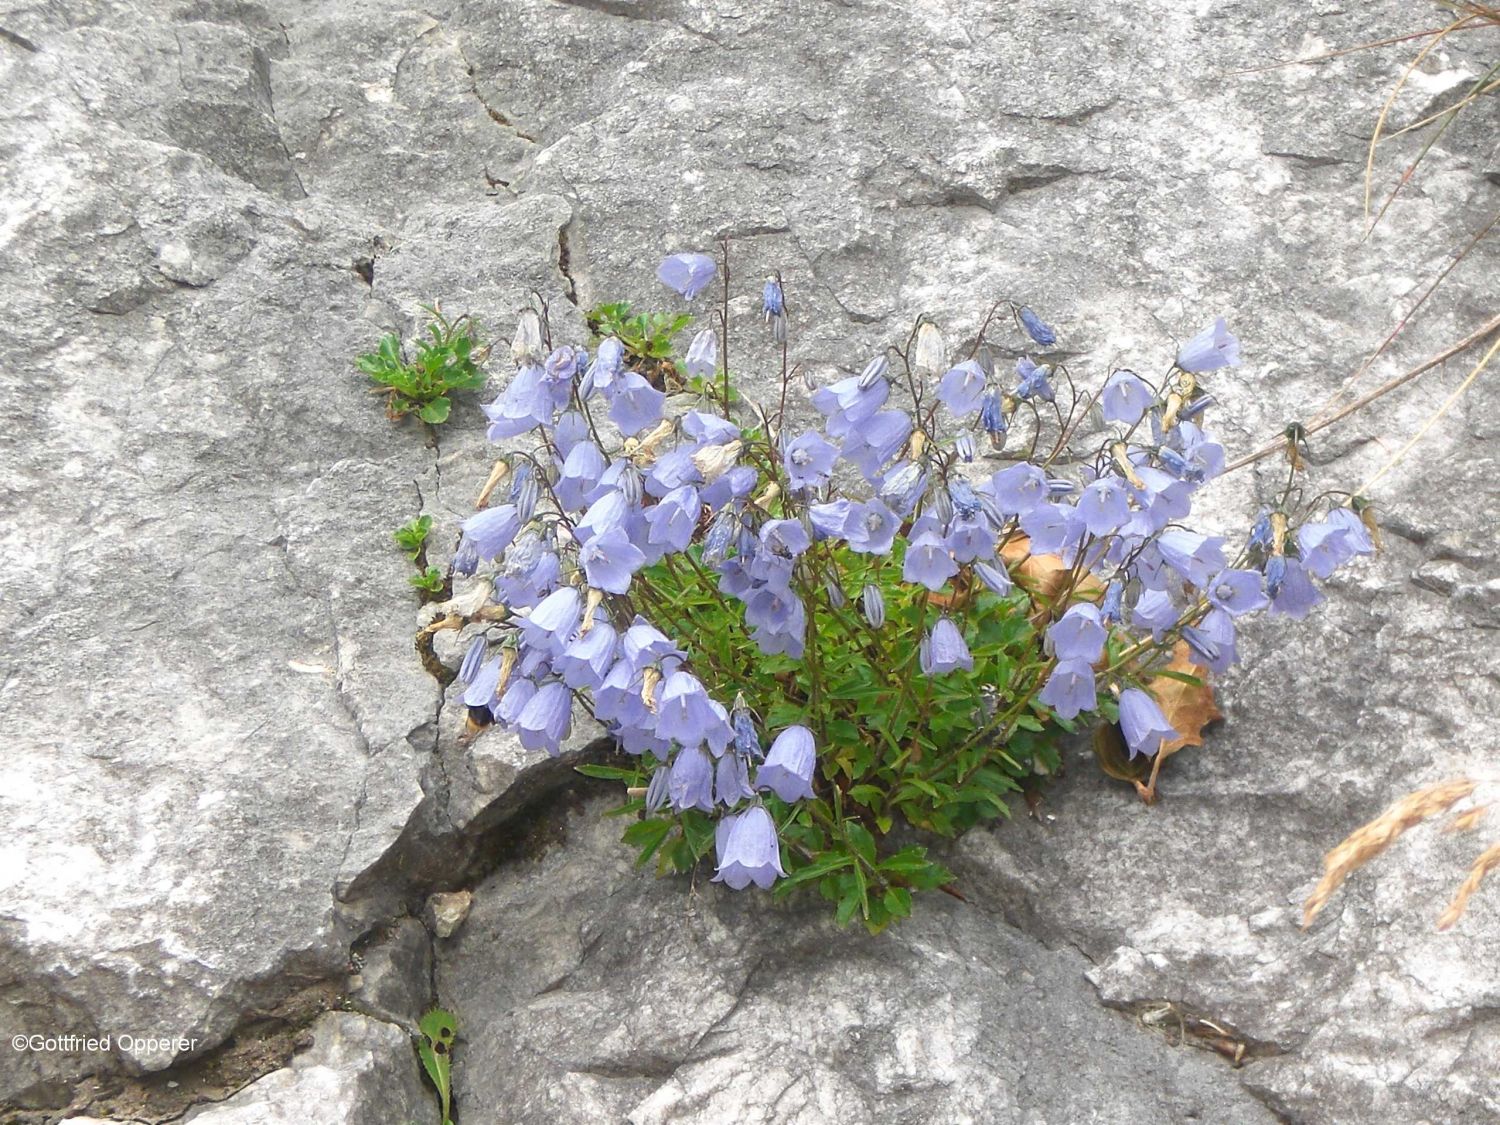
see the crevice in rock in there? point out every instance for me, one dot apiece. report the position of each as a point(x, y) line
point(15, 38)
point(1306, 159)
point(1182, 1025)
point(1077, 117)
point(565, 262)
point(757, 230)
point(262, 1042)
point(619, 8)
point(494, 181)
point(495, 114)
point(1039, 176)
point(262, 70)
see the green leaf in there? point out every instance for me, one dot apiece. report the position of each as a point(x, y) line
point(435, 411)
point(609, 773)
point(430, 580)
point(848, 907)
point(898, 901)
point(861, 840)
point(439, 1034)
point(834, 861)
point(647, 836)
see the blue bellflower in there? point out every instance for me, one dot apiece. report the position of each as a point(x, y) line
point(1079, 634)
point(748, 851)
point(944, 649)
point(1038, 329)
point(688, 274)
point(809, 460)
point(610, 560)
point(1069, 690)
point(962, 388)
point(788, 768)
point(692, 782)
point(1211, 349)
point(1144, 724)
point(1033, 382)
point(546, 719)
point(1126, 398)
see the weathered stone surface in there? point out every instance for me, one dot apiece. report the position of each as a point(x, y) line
point(223, 760)
point(589, 991)
point(393, 980)
point(216, 718)
point(357, 1071)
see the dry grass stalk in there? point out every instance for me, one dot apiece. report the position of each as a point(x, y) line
point(1369, 840)
point(1466, 820)
point(1488, 860)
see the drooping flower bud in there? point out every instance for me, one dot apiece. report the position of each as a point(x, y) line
point(930, 354)
point(526, 345)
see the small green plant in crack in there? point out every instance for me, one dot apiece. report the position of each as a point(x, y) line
point(647, 337)
point(430, 580)
point(446, 359)
point(412, 537)
point(439, 1032)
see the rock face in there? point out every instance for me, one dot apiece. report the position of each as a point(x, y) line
point(224, 761)
point(357, 1070)
point(628, 998)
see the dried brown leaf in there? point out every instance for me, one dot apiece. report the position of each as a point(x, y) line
point(1188, 707)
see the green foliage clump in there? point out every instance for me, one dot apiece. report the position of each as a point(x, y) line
point(940, 754)
point(646, 336)
point(446, 359)
point(412, 537)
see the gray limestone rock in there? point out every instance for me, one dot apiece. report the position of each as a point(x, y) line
point(591, 991)
point(224, 761)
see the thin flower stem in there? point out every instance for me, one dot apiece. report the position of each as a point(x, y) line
point(1348, 385)
point(1432, 421)
point(1384, 389)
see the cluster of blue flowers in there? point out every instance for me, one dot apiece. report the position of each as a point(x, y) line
point(612, 487)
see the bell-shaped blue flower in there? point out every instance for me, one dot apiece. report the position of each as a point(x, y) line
point(809, 460)
point(1126, 398)
point(962, 388)
point(547, 718)
point(944, 649)
point(788, 768)
point(1079, 634)
point(1069, 689)
point(702, 358)
point(688, 274)
point(691, 784)
point(1211, 349)
point(1143, 723)
point(748, 851)
point(1038, 329)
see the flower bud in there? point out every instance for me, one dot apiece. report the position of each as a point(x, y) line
point(872, 603)
point(929, 356)
point(714, 460)
point(877, 369)
point(526, 344)
point(702, 354)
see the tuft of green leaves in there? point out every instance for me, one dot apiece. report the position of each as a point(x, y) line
point(412, 537)
point(646, 336)
point(439, 1031)
point(897, 749)
point(431, 580)
point(446, 358)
